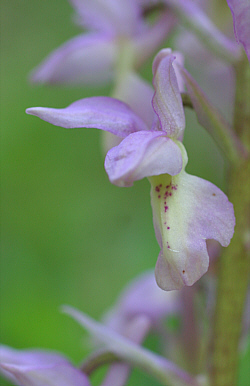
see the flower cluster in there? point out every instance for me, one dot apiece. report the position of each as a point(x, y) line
point(186, 209)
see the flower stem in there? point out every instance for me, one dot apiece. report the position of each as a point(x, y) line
point(234, 263)
point(97, 359)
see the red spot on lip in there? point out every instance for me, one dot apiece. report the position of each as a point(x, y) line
point(166, 208)
point(213, 194)
point(157, 188)
point(183, 271)
point(168, 227)
point(159, 196)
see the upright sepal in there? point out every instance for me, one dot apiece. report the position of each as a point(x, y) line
point(167, 102)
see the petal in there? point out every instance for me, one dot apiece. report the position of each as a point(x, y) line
point(167, 101)
point(103, 113)
point(241, 16)
point(187, 211)
point(142, 154)
point(39, 368)
point(88, 59)
point(112, 16)
point(142, 297)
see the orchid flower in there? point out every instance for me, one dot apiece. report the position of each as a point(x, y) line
point(187, 210)
point(162, 369)
point(142, 297)
point(115, 29)
point(39, 368)
point(141, 307)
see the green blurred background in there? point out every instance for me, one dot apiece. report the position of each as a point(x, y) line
point(68, 235)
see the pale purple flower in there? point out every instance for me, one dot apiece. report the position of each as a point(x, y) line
point(162, 369)
point(241, 17)
point(92, 57)
point(39, 368)
point(187, 210)
point(141, 307)
point(142, 297)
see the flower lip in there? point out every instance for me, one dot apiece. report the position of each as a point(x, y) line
point(187, 211)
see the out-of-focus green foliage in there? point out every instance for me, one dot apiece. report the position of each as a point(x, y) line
point(68, 235)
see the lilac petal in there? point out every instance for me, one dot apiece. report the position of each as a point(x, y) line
point(147, 42)
point(39, 368)
point(142, 154)
point(241, 17)
point(142, 297)
point(103, 113)
point(87, 59)
point(167, 101)
point(187, 211)
point(162, 369)
point(109, 16)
